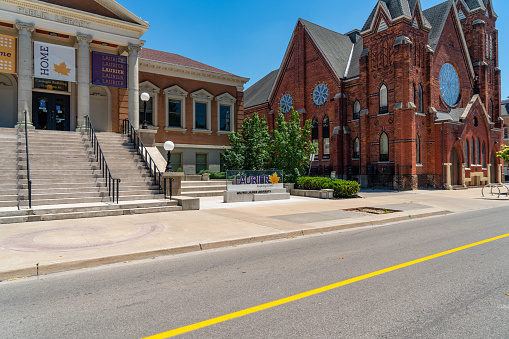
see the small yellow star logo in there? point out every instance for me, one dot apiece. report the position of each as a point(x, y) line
point(274, 179)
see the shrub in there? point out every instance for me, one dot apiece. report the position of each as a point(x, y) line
point(214, 175)
point(342, 188)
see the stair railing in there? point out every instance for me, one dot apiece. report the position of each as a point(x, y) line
point(111, 182)
point(130, 132)
point(28, 165)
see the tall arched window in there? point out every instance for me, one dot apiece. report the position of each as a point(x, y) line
point(356, 148)
point(417, 149)
point(415, 94)
point(326, 137)
point(356, 109)
point(420, 101)
point(479, 162)
point(483, 155)
point(384, 102)
point(314, 134)
point(467, 153)
point(472, 159)
point(384, 147)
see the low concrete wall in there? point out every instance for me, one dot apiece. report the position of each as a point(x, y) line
point(188, 203)
point(322, 194)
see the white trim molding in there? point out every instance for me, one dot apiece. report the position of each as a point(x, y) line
point(176, 92)
point(225, 99)
point(153, 91)
point(202, 96)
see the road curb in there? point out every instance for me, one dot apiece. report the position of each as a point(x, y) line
point(94, 262)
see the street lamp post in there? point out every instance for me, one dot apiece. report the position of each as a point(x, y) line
point(144, 97)
point(169, 146)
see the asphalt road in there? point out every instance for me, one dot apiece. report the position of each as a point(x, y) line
point(458, 295)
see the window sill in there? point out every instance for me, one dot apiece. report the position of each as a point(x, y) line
point(204, 131)
point(384, 162)
point(175, 129)
point(325, 159)
point(224, 132)
point(384, 113)
point(418, 165)
point(420, 113)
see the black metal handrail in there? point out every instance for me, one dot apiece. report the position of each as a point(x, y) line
point(111, 183)
point(28, 165)
point(130, 131)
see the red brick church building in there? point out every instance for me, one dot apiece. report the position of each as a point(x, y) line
point(410, 100)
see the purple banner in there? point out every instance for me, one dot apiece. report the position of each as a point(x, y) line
point(109, 70)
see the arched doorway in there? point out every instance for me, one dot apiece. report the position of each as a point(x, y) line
point(100, 108)
point(494, 167)
point(9, 100)
point(455, 167)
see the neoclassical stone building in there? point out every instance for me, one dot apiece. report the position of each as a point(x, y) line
point(63, 60)
point(412, 99)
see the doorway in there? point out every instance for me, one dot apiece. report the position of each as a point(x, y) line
point(494, 167)
point(455, 167)
point(51, 111)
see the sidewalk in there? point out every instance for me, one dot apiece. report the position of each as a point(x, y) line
point(79, 243)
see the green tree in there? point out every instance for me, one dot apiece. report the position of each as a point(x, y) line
point(504, 154)
point(249, 146)
point(291, 145)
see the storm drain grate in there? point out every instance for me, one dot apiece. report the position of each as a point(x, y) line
point(371, 210)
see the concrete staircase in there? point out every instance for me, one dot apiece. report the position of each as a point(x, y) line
point(64, 173)
point(211, 188)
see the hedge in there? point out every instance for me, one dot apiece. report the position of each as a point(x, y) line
point(342, 188)
point(214, 175)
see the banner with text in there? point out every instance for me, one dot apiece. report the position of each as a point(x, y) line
point(54, 62)
point(109, 70)
point(7, 54)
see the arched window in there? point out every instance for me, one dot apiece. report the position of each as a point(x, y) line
point(483, 155)
point(479, 162)
point(356, 109)
point(384, 147)
point(417, 149)
point(420, 101)
point(467, 153)
point(326, 137)
point(356, 148)
point(491, 110)
point(472, 159)
point(314, 134)
point(415, 94)
point(384, 102)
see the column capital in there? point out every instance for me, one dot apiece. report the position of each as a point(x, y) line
point(133, 48)
point(23, 25)
point(84, 38)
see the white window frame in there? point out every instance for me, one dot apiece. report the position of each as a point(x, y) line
point(175, 92)
point(226, 99)
point(204, 97)
point(153, 91)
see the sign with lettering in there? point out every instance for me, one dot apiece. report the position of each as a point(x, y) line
point(254, 181)
point(7, 54)
point(54, 62)
point(54, 17)
point(109, 70)
point(51, 85)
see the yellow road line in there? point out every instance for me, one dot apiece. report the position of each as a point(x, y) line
point(274, 303)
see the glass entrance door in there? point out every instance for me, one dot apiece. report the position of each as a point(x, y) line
point(51, 111)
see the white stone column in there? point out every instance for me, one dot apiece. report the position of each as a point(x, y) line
point(134, 97)
point(83, 78)
point(24, 73)
point(448, 182)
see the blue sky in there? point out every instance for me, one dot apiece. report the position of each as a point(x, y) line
point(249, 38)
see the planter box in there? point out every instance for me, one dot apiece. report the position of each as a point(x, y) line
point(321, 194)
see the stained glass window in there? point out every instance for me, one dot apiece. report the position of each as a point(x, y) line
point(449, 84)
point(286, 103)
point(320, 94)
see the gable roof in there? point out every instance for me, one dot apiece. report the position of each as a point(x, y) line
point(259, 92)
point(337, 48)
point(394, 9)
point(106, 8)
point(175, 59)
point(505, 108)
point(437, 16)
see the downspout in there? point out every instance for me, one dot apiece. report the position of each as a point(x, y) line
point(443, 155)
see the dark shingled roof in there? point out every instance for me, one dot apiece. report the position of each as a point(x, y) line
point(505, 107)
point(335, 47)
point(453, 115)
point(395, 8)
point(259, 92)
point(175, 59)
point(475, 4)
point(437, 15)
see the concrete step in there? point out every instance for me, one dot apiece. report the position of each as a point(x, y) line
point(200, 194)
point(189, 189)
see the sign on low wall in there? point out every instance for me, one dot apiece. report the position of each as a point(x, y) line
point(254, 182)
point(109, 70)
